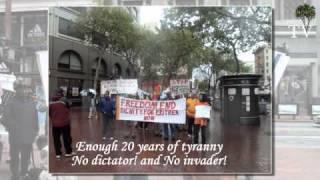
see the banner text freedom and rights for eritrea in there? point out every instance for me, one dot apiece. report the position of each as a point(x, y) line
point(169, 111)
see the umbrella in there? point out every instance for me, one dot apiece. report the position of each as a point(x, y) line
point(94, 92)
point(86, 92)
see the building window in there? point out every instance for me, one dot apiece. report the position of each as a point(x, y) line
point(237, 2)
point(70, 61)
point(69, 28)
point(286, 9)
point(186, 2)
point(128, 72)
point(148, 2)
point(117, 70)
point(108, 2)
point(72, 87)
point(131, 2)
point(103, 67)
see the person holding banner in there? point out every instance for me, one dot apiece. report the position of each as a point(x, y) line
point(168, 130)
point(191, 103)
point(107, 107)
point(201, 120)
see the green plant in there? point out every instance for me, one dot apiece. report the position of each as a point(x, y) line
point(306, 13)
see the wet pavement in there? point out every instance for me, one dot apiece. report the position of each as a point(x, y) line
point(293, 161)
point(248, 148)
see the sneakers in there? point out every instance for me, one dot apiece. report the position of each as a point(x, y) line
point(58, 156)
point(111, 138)
point(104, 138)
point(69, 155)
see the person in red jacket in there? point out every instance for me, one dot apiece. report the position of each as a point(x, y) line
point(59, 114)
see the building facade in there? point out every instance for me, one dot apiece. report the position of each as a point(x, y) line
point(73, 62)
point(300, 84)
point(28, 36)
point(186, 2)
point(263, 63)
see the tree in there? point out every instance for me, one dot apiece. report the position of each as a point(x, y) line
point(176, 49)
point(229, 30)
point(150, 56)
point(213, 62)
point(306, 13)
point(113, 30)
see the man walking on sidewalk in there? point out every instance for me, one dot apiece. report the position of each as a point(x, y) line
point(20, 120)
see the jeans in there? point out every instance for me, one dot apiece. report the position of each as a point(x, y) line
point(190, 122)
point(198, 128)
point(106, 123)
point(168, 130)
point(19, 166)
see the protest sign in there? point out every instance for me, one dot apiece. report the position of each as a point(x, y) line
point(7, 81)
point(203, 111)
point(170, 111)
point(315, 109)
point(179, 86)
point(120, 86)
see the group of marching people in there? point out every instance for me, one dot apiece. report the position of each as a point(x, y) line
point(194, 125)
point(59, 113)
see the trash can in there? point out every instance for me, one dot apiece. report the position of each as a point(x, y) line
point(239, 99)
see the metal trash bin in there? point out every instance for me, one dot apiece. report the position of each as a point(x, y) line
point(239, 99)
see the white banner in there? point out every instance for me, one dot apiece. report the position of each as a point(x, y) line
point(179, 86)
point(7, 81)
point(110, 85)
point(170, 111)
point(43, 65)
point(315, 109)
point(120, 86)
point(203, 111)
point(281, 61)
point(288, 109)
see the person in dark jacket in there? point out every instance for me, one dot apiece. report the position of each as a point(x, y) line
point(107, 107)
point(20, 120)
point(168, 130)
point(59, 114)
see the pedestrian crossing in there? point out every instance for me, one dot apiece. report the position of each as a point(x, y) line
point(297, 135)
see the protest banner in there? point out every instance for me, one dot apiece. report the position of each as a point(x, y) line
point(179, 86)
point(119, 86)
point(170, 111)
point(7, 81)
point(203, 111)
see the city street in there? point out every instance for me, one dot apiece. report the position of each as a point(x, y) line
point(297, 147)
point(248, 148)
point(297, 135)
point(293, 160)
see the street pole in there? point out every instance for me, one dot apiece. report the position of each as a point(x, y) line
point(7, 20)
point(93, 100)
